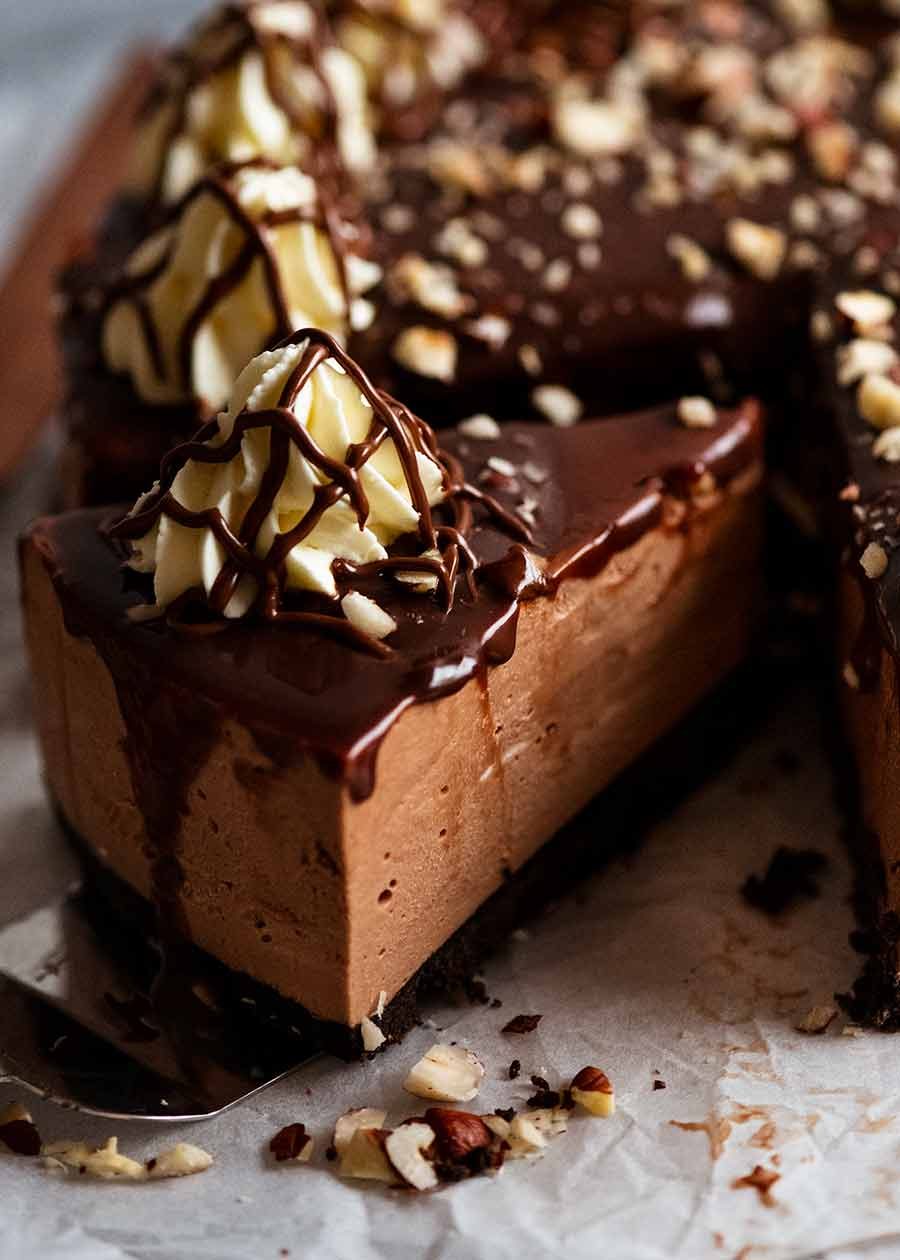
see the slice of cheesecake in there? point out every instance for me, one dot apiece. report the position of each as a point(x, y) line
point(319, 787)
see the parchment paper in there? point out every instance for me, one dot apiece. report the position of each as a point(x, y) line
point(655, 967)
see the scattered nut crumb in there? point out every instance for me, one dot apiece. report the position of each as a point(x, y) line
point(561, 407)
point(481, 428)
point(446, 1074)
point(372, 1036)
point(369, 618)
point(591, 1088)
point(696, 412)
point(874, 561)
point(292, 1143)
point(182, 1160)
point(427, 351)
point(878, 399)
point(817, 1019)
point(759, 248)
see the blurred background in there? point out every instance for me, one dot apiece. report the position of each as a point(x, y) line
point(54, 56)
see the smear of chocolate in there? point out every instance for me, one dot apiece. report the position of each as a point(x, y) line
point(761, 1180)
point(521, 1024)
point(791, 876)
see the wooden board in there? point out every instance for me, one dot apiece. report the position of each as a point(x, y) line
point(59, 224)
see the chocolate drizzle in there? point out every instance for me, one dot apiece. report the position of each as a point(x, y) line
point(341, 479)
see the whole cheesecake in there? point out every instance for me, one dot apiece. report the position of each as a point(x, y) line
point(363, 664)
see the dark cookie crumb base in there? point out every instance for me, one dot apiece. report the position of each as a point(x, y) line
point(612, 825)
point(874, 999)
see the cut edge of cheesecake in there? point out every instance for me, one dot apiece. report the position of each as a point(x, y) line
point(332, 901)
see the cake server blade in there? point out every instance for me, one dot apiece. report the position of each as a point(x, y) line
point(74, 1029)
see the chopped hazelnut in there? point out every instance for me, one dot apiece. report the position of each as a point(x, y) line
point(850, 676)
point(446, 1074)
point(364, 1157)
point(184, 1160)
point(759, 248)
point(867, 311)
point(103, 1162)
point(592, 1090)
point(874, 561)
point(348, 1125)
point(582, 222)
point(820, 326)
point(459, 166)
point(494, 330)
point(589, 255)
point(805, 15)
point(406, 1150)
point(430, 285)
point(693, 259)
point(369, 618)
point(427, 351)
point(833, 146)
point(862, 357)
point(480, 428)
point(561, 407)
point(372, 1036)
point(887, 103)
point(524, 1138)
point(458, 1132)
point(886, 446)
point(595, 128)
point(696, 412)
point(878, 399)
point(557, 275)
point(817, 1019)
point(457, 240)
point(805, 213)
point(549, 1121)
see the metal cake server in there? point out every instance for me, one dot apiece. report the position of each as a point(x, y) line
point(68, 1034)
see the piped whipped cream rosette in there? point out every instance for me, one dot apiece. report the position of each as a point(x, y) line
point(249, 254)
point(309, 475)
point(259, 79)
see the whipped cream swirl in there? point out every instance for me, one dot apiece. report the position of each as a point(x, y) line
point(250, 254)
point(262, 79)
point(308, 466)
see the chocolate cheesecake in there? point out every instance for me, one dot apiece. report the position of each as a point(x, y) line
point(397, 649)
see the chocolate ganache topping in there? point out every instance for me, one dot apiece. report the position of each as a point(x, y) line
point(300, 488)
